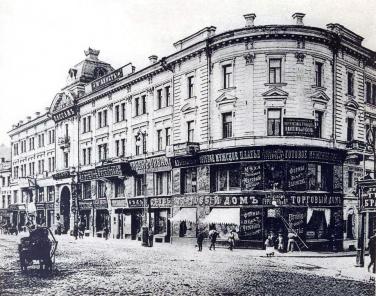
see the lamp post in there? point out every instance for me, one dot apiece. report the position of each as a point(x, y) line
point(146, 225)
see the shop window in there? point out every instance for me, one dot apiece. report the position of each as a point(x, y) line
point(227, 76)
point(317, 226)
point(225, 178)
point(189, 180)
point(40, 194)
point(139, 189)
point(320, 177)
point(86, 190)
point(318, 124)
point(227, 125)
point(101, 189)
point(350, 226)
point(318, 72)
point(274, 122)
point(275, 67)
point(119, 188)
point(350, 129)
point(160, 221)
point(51, 193)
point(274, 175)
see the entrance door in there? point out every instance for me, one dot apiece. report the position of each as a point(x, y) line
point(65, 208)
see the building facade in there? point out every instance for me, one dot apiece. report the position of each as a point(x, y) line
point(262, 128)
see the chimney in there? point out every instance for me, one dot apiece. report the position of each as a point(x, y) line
point(249, 19)
point(37, 114)
point(299, 18)
point(47, 109)
point(92, 54)
point(28, 118)
point(153, 59)
point(133, 69)
point(20, 122)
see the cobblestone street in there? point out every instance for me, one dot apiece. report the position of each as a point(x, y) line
point(93, 266)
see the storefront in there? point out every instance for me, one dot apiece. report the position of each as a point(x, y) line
point(274, 189)
point(4, 216)
point(17, 215)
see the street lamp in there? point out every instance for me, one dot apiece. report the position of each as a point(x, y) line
point(146, 225)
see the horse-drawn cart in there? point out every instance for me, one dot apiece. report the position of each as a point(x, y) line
point(40, 245)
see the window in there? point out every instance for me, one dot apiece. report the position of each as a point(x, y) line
point(122, 147)
point(66, 160)
point(122, 111)
point(117, 147)
point(227, 76)
point(374, 94)
point(190, 86)
point(226, 178)
point(350, 83)
point(117, 113)
point(350, 129)
point(137, 106)
point(102, 118)
point(86, 190)
point(137, 141)
point(139, 185)
point(102, 152)
point(84, 156)
point(15, 172)
point(88, 155)
point(143, 98)
point(66, 130)
point(40, 141)
point(318, 124)
point(119, 188)
point(41, 194)
point(31, 143)
point(51, 136)
point(318, 72)
point(86, 124)
point(320, 177)
point(162, 183)
point(167, 96)
point(350, 180)
point(168, 136)
point(159, 98)
point(190, 131)
point(189, 180)
point(40, 166)
point(101, 189)
point(274, 122)
point(15, 149)
point(51, 193)
point(227, 125)
point(159, 140)
point(275, 70)
point(369, 93)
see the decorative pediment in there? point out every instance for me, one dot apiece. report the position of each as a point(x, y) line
point(320, 97)
point(226, 99)
point(275, 92)
point(352, 105)
point(62, 100)
point(187, 108)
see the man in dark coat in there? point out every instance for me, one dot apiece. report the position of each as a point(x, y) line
point(213, 234)
point(200, 239)
point(372, 251)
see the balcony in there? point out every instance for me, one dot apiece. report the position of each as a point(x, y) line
point(63, 142)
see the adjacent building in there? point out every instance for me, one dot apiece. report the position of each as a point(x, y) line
point(261, 128)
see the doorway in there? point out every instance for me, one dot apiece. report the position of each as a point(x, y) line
point(65, 208)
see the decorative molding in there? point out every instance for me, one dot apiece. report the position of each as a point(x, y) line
point(249, 45)
point(300, 57)
point(225, 99)
point(249, 58)
point(188, 108)
point(275, 92)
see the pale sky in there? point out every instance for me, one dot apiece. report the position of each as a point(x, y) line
point(41, 39)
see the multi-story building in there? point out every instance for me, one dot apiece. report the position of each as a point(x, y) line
point(33, 163)
point(261, 128)
point(6, 194)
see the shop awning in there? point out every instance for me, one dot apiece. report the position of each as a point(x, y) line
point(223, 216)
point(185, 214)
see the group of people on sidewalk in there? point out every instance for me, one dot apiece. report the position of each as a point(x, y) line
point(213, 235)
point(272, 242)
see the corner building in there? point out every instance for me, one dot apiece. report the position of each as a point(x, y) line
point(262, 127)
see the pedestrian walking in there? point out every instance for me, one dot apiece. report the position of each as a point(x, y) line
point(372, 252)
point(269, 247)
point(150, 237)
point(75, 230)
point(105, 231)
point(231, 240)
point(281, 243)
point(81, 229)
point(291, 242)
point(213, 234)
point(200, 239)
